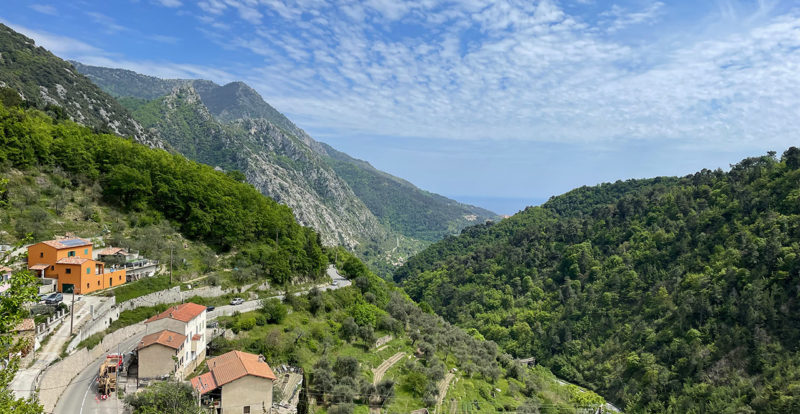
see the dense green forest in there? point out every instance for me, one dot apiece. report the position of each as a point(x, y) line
point(204, 204)
point(666, 295)
point(51, 84)
point(400, 205)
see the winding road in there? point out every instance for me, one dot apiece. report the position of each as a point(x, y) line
point(80, 397)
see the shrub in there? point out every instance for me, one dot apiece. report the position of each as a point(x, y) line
point(274, 311)
point(245, 324)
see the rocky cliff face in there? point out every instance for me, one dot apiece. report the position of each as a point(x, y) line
point(346, 200)
point(52, 84)
point(279, 165)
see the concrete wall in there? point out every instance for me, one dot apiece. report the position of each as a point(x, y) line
point(156, 361)
point(103, 317)
point(171, 295)
point(248, 390)
point(58, 376)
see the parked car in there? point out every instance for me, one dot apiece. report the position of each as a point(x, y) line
point(237, 301)
point(212, 324)
point(53, 298)
point(210, 308)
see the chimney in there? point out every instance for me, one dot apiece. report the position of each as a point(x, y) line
point(261, 358)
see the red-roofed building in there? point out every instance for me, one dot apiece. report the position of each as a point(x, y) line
point(156, 353)
point(237, 382)
point(189, 320)
point(70, 261)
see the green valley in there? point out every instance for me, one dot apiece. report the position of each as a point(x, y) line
point(665, 295)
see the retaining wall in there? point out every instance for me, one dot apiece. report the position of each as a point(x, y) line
point(58, 376)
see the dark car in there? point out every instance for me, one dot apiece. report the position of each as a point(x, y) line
point(53, 299)
point(210, 308)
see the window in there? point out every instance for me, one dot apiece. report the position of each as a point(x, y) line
point(88, 270)
point(120, 277)
point(98, 283)
point(87, 286)
point(41, 254)
point(110, 281)
point(85, 251)
point(52, 268)
point(71, 253)
point(246, 409)
point(69, 271)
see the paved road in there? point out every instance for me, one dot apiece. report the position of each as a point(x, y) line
point(24, 381)
point(80, 395)
point(338, 282)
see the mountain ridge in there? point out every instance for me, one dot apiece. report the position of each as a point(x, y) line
point(381, 212)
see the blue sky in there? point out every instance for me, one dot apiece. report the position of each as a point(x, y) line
point(503, 103)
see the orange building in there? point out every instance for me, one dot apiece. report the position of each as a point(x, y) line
point(70, 262)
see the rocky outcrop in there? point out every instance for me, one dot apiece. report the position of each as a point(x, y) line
point(287, 170)
point(275, 162)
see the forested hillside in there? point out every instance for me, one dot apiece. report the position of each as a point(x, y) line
point(59, 176)
point(44, 81)
point(204, 204)
point(381, 217)
point(402, 206)
point(665, 295)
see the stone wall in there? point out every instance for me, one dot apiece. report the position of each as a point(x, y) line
point(58, 376)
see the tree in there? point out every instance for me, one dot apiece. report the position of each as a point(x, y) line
point(23, 289)
point(367, 334)
point(346, 367)
point(415, 383)
point(274, 311)
point(164, 397)
point(349, 329)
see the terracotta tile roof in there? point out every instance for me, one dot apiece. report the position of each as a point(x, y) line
point(111, 250)
point(167, 338)
point(236, 364)
point(25, 325)
point(204, 383)
point(39, 267)
point(67, 243)
point(73, 260)
point(184, 312)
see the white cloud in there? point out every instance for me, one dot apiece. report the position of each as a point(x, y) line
point(59, 45)
point(44, 9)
point(170, 3)
point(529, 71)
point(619, 18)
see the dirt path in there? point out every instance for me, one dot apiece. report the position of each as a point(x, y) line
point(443, 385)
point(383, 367)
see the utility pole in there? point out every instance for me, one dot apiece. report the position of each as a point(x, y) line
point(72, 311)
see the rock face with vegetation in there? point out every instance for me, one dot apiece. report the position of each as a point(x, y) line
point(664, 295)
point(347, 200)
point(44, 81)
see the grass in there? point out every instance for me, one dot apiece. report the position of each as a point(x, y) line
point(142, 287)
point(92, 341)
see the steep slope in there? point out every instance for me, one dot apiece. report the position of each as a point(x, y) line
point(402, 206)
point(346, 199)
point(121, 82)
point(666, 295)
point(46, 82)
point(276, 163)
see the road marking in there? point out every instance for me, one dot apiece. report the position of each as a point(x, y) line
point(87, 392)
